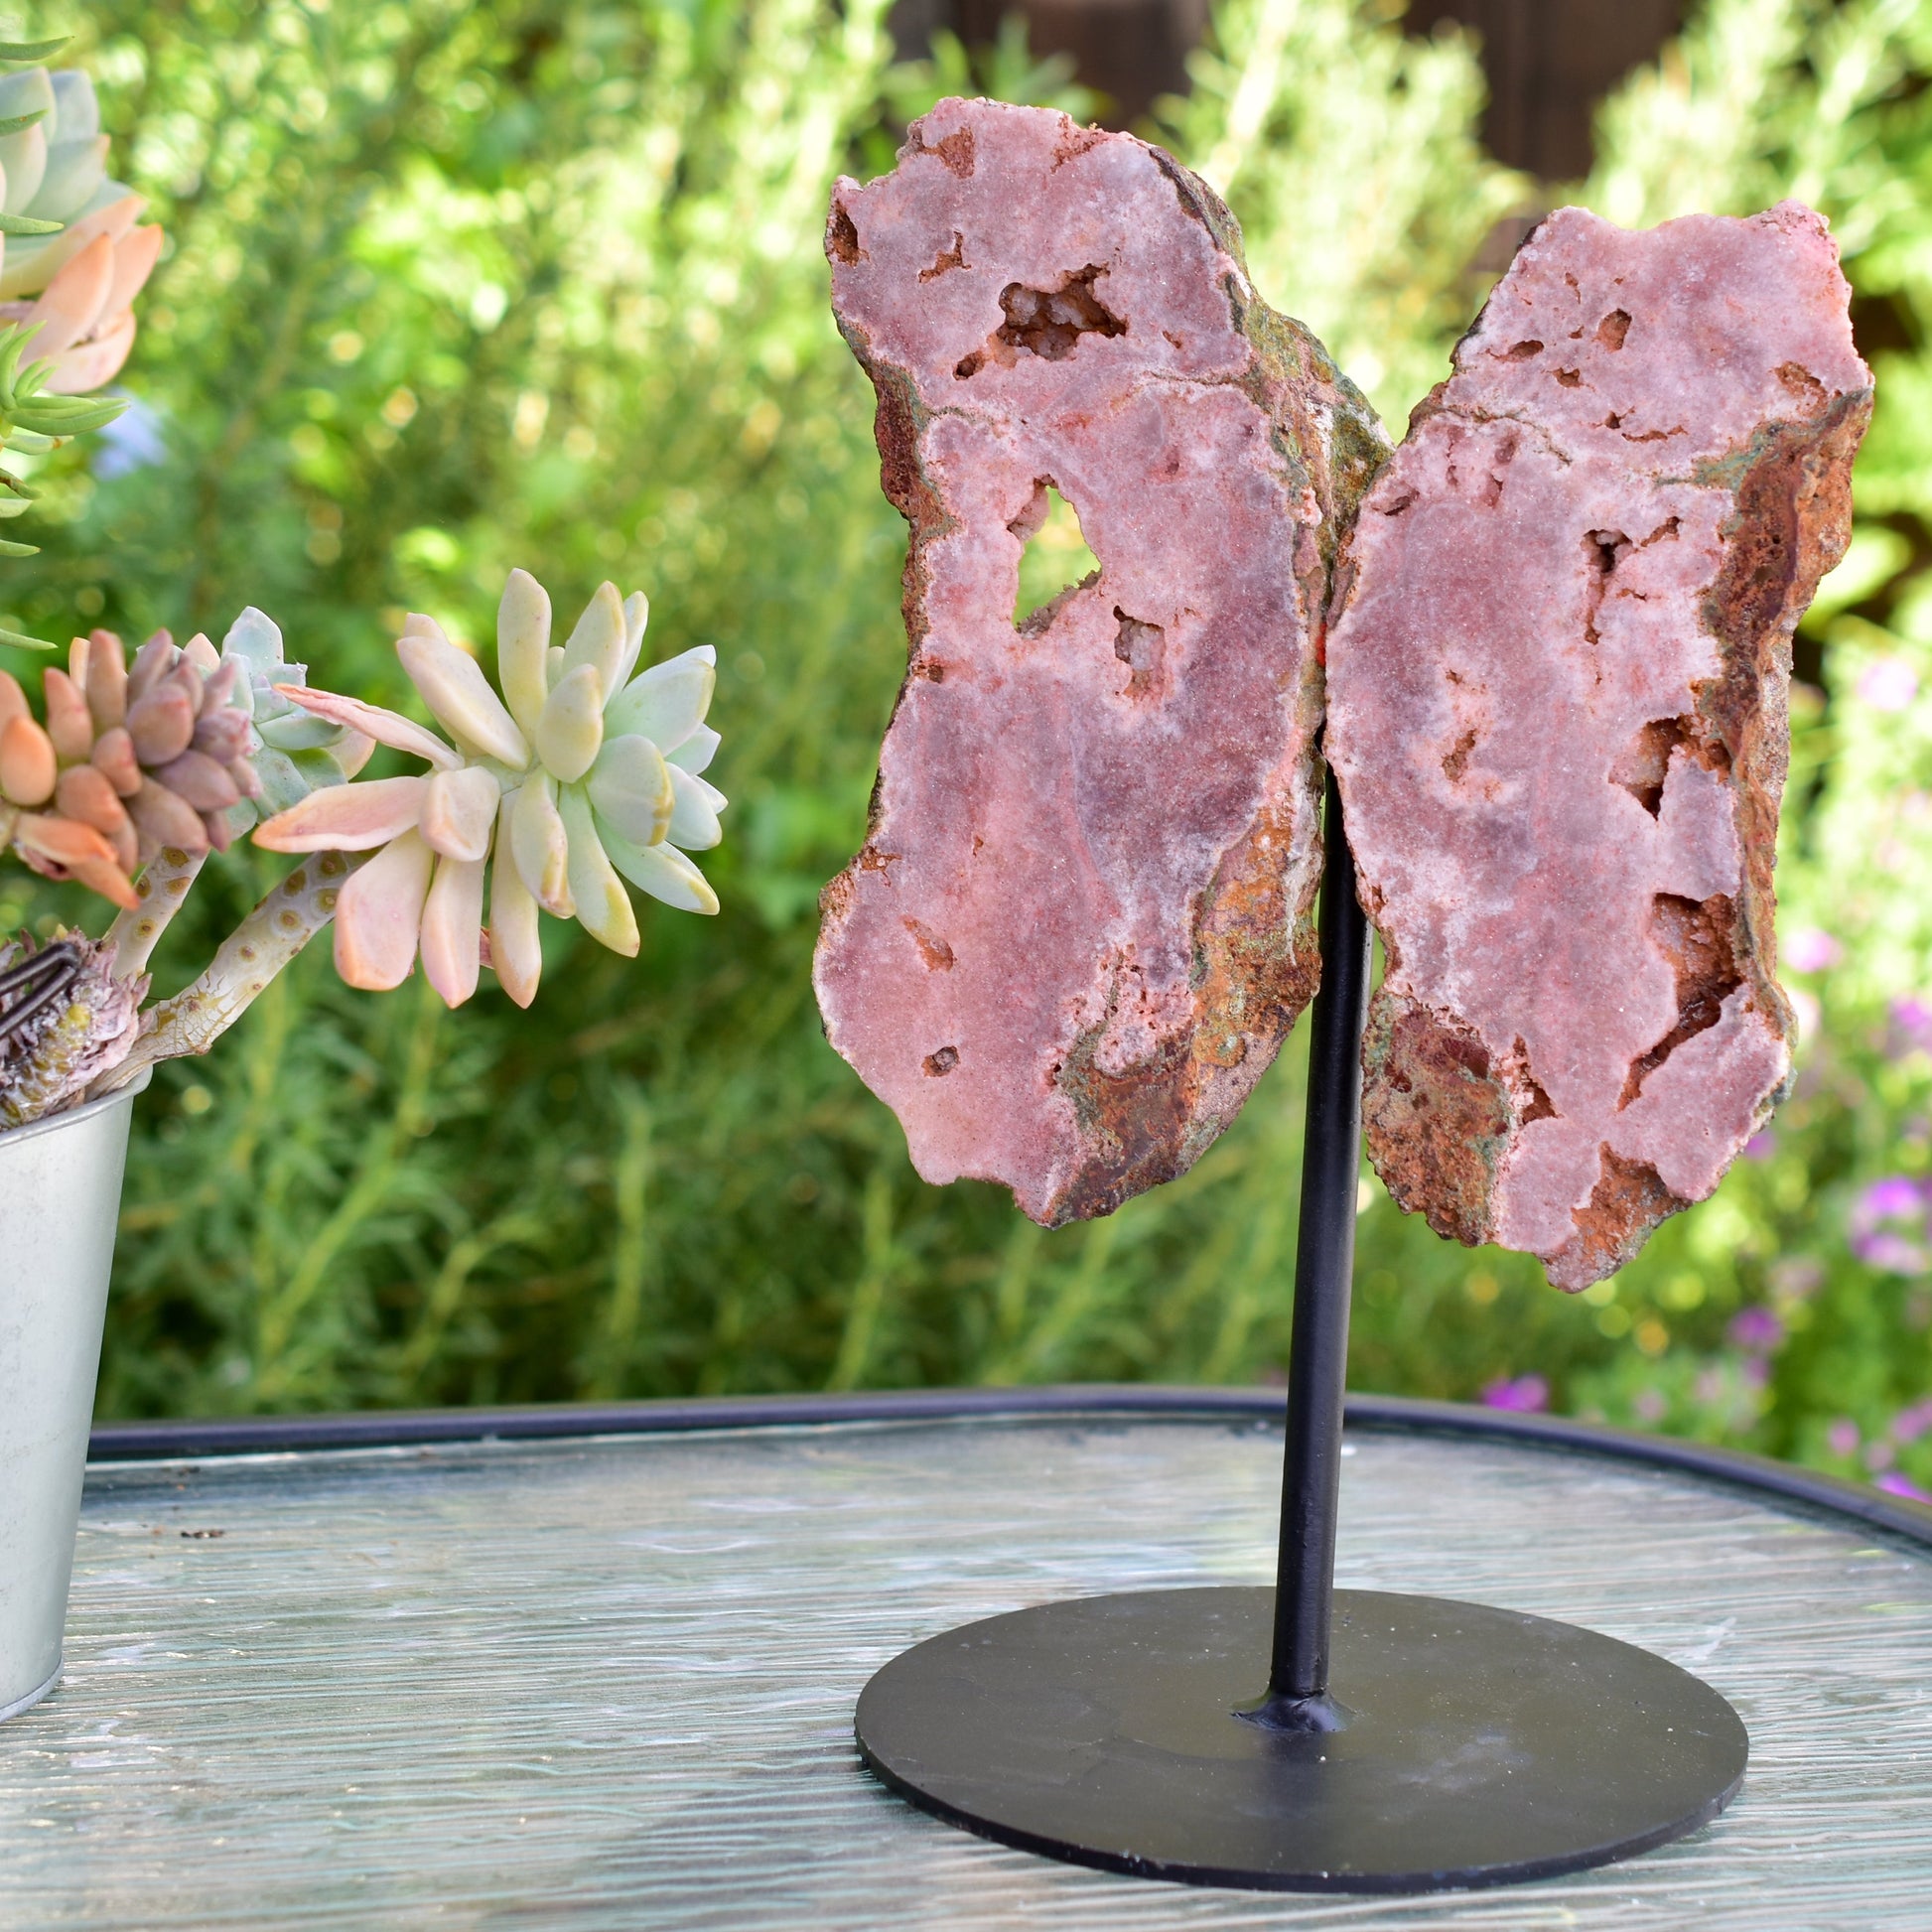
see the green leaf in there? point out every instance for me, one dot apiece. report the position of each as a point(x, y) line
point(26, 224)
point(19, 123)
point(27, 53)
point(69, 416)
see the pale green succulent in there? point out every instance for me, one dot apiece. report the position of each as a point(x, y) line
point(292, 751)
point(578, 777)
point(54, 171)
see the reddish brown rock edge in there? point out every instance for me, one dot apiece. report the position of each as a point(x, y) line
point(1081, 925)
point(1557, 712)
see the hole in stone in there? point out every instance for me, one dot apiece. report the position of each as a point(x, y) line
point(1539, 1105)
point(1525, 351)
point(1802, 385)
point(1049, 322)
point(944, 1061)
point(1611, 331)
point(1609, 545)
point(1643, 765)
point(1695, 935)
point(1057, 561)
point(934, 950)
point(1457, 759)
point(1141, 647)
point(947, 259)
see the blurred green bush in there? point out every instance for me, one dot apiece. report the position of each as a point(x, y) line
point(468, 283)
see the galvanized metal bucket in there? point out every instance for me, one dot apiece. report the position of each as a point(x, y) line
point(60, 1201)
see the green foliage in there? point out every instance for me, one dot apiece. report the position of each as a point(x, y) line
point(1348, 151)
point(456, 286)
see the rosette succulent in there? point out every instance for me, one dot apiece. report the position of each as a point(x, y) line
point(168, 755)
point(578, 777)
point(69, 234)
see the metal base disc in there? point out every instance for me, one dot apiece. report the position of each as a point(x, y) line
point(1480, 1747)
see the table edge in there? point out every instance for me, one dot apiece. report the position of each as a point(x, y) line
point(1809, 1489)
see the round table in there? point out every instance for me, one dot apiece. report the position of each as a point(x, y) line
point(598, 1668)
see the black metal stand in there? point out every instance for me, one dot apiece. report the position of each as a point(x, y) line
point(1401, 1744)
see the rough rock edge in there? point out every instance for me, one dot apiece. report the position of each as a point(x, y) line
point(1418, 1060)
point(1255, 944)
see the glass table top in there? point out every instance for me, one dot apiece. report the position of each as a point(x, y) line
point(609, 1682)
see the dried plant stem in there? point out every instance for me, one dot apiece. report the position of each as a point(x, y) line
point(248, 959)
point(162, 888)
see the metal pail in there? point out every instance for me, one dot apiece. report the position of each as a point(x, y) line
point(59, 1204)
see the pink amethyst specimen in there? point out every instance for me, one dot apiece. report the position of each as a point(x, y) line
point(1080, 924)
point(1557, 713)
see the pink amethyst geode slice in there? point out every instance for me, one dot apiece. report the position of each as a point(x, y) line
point(1557, 712)
point(1080, 924)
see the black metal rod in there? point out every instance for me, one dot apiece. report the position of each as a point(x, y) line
point(1325, 1260)
point(39, 980)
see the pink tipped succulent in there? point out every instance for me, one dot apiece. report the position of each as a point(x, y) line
point(83, 322)
point(578, 777)
point(54, 171)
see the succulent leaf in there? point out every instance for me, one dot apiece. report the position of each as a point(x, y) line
point(460, 813)
point(599, 639)
point(452, 927)
point(515, 949)
point(602, 905)
point(632, 790)
point(664, 872)
point(694, 817)
point(388, 727)
point(348, 818)
point(667, 703)
point(379, 915)
point(540, 845)
point(452, 683)
point(570, 732)
point(522, 647)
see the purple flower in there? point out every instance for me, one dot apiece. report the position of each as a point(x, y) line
point(1756, 1330)
point(1649, 1405)
point(1895, 1198)
point(1911, 1019)
point(1524, 1393)
point(1884, 1220)
point(1892, 1253)
point(1880, 1455)
point(1762, 1144)
point(1912, 1423)
point(1842, 1438)
point(1888, 684)
point(1809, 950)
point(1894, 1484)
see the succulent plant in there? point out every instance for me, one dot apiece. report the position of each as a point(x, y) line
point(292, 751)
point(55, 1055)
point(70, 234)
point(578, 777)
point(164, 757)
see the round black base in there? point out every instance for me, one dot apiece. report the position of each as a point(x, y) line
point(1477, 1746)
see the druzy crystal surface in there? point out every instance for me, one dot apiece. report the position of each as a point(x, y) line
point(1080, 924)
point(1557, 712)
